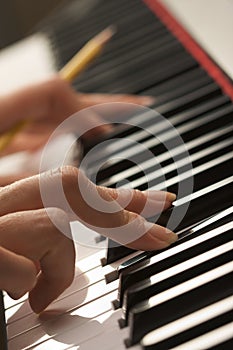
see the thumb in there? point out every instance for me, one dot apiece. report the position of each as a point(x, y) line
point(17, 273)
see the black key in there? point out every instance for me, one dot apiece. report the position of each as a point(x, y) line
point(152, 124)
point(185, 298)
point(217, 339)
point(219, 168)
point(199, 155)
point(203, 226)
point(181, 80)
point(221, 198)
point(121, 43)
point(136, 152)
point(192, 146)
point(156, 178)
point(122, 61)
point(188, 100)
point(126, 18)
point(179, 273)
point(137, 80)
point(202, 323)
point(169, 258)
point(115, 252)
point(222, 345)
point(68, 29)
point(199, 208)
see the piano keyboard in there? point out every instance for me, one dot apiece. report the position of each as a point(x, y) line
point(181, 297)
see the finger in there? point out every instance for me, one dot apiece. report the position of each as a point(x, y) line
point(53, 99)
point(18, 274)
point(87, 100)
point(92, 123)
point(33, 235)
point(113, 108)
point(9, 179)
point(95, 208)
point(26, 142)
point(73, 182)
point(146, 203)
point(155, 238)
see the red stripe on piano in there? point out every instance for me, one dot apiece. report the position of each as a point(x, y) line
point(191, 45)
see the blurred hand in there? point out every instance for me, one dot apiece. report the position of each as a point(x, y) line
point(48, 104)
point(31, 243)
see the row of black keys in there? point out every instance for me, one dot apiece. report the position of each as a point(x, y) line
point(144, 58)
point(196, 272)
point(209, 143)
point(141, 55)
point(133, 286)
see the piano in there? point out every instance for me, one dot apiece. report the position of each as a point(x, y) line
point(181, 297)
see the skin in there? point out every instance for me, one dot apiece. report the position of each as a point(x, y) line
point(48, 104)
point(31, 243)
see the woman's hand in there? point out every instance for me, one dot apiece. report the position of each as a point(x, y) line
point(47, 105)
point(30, 256)
point(31, 241)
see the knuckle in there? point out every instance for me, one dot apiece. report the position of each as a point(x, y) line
point(128, 217)
point(57, 85)
point(56, 214)
point(54, 221)
point(138, 194)
point(69, 174)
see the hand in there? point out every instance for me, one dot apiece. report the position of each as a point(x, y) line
point(48, 104)
point(30, 256)
point(31, 242)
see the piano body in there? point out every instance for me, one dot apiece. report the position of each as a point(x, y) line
point(179, 298)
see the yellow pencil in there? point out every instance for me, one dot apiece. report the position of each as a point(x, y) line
point(71, 70)
point(86, 55)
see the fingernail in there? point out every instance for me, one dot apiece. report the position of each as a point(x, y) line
point(171, 237)
point(160, 195)
point(163, 234)
point(171, 196)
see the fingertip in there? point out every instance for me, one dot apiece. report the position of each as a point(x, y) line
point(148, 100)
point(38, 301)
point(156, 238)
point(171, 236)
point(171, 196)
point(164, 234)
point(36, 308)
point(160, 196)
point(154, 208)
point(157, 243)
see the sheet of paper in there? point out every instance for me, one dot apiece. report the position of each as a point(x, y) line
point(28, 61)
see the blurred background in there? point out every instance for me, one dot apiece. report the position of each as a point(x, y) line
point(19, 17)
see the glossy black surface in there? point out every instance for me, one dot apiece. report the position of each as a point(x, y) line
point(145, 288)
point(156, 264)
point(143, 318)
point(196, 331)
